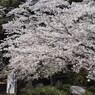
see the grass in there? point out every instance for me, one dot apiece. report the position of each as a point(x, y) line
point(58, 89)
point(44, 90)
point(63, 89)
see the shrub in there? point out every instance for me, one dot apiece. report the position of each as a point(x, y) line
point(90, 91)
point(40, 89)
point(43, 90)
point(59, 85)
point(79, 78)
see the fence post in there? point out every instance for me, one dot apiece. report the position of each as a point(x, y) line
point(11, 84)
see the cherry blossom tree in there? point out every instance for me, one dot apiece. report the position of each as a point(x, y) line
point(47, 36)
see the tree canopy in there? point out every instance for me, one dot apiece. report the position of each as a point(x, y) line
point(47, 35)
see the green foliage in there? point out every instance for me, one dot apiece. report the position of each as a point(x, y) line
point(79, 78)
point(90, 91)
point(10, 3)
point(58, 89)
point(61, 86)
point(43, 90)
point(76, 78)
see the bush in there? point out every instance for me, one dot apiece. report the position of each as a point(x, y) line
point(90, 91)
point(43, 90)
point(40, 89)
point(79, 78)
point(61, 86)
